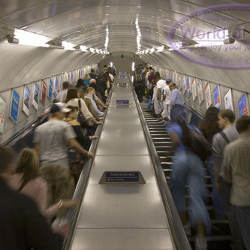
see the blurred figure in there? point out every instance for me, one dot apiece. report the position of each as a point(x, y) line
point(176, 102)
point(22, 225)
point(92, 74)
point(165, 97)
point(236, 171)
point(74, 100)
point(157, 102)
point(51, 141)
point(80, 83)
point(63, 93)
point(209, 127)
point(86, 80)
point(30, 183)
point(188, 170)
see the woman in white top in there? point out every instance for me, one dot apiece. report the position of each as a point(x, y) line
point(63, 93)
point(73, 100)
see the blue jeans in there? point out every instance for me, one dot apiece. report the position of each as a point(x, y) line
point(242, 215)
point(188, 170)
point(177, 112)
point(216, 197)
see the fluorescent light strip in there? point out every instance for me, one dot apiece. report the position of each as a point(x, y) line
point(133, 66)
point(32, 39)
point(83, 48)
point(68, 46)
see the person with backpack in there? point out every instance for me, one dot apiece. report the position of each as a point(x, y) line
point(236, 171)
point(228, 134)
point(191, 149)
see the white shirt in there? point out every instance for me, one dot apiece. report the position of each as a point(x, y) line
point(62, 95)
point(166, 91)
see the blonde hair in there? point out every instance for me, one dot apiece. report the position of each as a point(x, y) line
point(89, 89)
point(86, 77)
point(28, 165)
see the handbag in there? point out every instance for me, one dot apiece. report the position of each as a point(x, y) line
point(84, 122)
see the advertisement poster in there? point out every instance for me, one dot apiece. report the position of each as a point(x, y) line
point(188, 86)
point(2, 114)
point(217, 99)
point(243, 106)
point(208, 95)
point(14, 108)
point(50, 94)
point(56, 87)
point(26, 100)
point(36, 92)
point(184, 85)
point(194, 89)
point(71, 77)
point(200, 92)
point(44, 93)
point(228, 100)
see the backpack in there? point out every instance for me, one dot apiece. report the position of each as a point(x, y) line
point(199, 145)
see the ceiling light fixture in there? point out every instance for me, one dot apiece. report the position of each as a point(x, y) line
point(32, 39)
point(83, 48)
point(68, 46)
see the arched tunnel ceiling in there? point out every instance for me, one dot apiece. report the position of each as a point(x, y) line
point(84, 22)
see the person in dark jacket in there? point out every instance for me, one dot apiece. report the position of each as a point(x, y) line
point(23, 226)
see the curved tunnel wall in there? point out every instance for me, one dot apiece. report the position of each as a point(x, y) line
point(26, 66)
point(174, 65)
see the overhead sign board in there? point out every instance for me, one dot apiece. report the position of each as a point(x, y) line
point(132, 177)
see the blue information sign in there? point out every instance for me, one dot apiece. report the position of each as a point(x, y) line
point(122, 177)
point(15, 102)
point(242, 105)
point(122, 102)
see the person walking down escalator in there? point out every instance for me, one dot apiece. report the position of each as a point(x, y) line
point(209, 127)
point(157, 94)
point(188, 170)
point(22, 224)
point(28, 180)
point(71, 118)
point(176, 102)
point(86, 80)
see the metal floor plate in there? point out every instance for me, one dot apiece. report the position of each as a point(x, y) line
point(122, 239)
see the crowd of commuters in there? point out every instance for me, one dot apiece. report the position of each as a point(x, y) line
point(218, 144)
point(37, 186)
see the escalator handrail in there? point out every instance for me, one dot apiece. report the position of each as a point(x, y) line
point(26, 130)
point(176, 227)
point(72, 216)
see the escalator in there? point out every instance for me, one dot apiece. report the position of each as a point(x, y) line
point(220, 238)
point(125, 216)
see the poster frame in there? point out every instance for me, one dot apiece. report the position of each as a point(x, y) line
point(14, 113)
point(26, 104)
point(208, 97)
